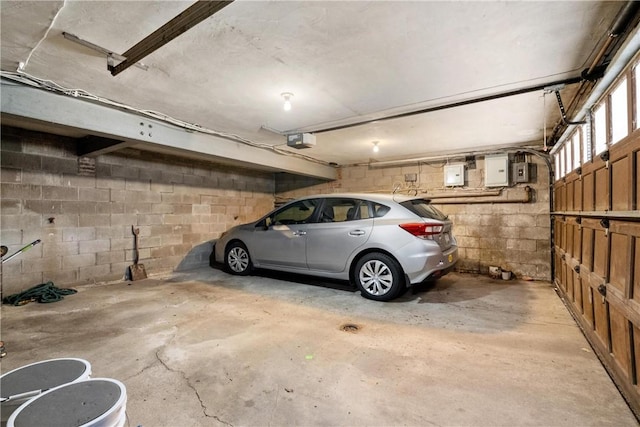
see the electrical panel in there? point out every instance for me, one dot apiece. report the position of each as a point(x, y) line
point(410, 177)
point(496, 170)
point(454, 174)
point(523, 172)
point(301, 140)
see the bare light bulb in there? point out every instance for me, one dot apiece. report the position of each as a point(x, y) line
point(375, 147)
point(287, 100)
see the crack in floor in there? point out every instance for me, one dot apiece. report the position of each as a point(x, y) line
point(141, 371)
point(192, 387)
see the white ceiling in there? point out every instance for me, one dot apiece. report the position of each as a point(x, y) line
point(344, 62)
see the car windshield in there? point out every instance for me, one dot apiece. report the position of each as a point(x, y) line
point(424, 209)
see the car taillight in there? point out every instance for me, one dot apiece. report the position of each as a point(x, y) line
point(423, 230)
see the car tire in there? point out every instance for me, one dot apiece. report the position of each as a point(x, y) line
point(237, 260)
point(379, 277)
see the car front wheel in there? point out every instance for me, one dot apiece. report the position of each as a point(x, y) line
point(379, 277)
point(237, 259)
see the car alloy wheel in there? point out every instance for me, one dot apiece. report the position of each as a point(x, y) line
point(379, 277)
point(238, 260)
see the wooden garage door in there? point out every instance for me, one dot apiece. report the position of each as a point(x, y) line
point(597, 257)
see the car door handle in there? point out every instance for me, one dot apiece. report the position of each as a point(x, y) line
point(299, 233)
point(357, 233)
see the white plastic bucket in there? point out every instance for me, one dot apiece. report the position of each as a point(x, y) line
point(25, 383)
point(96, 402)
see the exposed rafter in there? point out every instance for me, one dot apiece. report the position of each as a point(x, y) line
point(192, 16)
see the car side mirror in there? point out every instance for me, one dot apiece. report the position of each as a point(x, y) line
point(265, 224)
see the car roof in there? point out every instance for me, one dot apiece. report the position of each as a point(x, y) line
point(375, 197)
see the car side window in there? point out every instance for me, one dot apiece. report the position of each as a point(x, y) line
point(343, 209)
point(362, 210)
point(380, 210)
point(296, 213)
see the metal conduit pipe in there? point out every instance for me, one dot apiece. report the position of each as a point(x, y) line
point(526, 198)
point(528, 148)
point(451, 195)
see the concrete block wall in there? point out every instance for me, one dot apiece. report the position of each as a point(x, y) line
point(83, 211)
point(513, 236)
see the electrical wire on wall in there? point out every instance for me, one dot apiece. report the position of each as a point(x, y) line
point(22, 77)
point(544, 120)
point(22, 65)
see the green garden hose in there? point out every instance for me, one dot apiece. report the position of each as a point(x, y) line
point(44, 293)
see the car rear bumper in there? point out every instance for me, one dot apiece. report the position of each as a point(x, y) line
point(431, 265)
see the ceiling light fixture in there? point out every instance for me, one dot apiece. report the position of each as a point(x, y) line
point(375, 147)
point(287, 100)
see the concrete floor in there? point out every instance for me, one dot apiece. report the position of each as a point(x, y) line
point(206, 348)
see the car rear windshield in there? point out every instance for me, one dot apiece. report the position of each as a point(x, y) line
point(424, 209)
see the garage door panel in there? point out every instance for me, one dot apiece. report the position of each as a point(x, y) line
point(569, 196)
point(620, 261)
point(557, 273)
point(587, 302)
point(620, 188)
point(636, 270)
point(560, 197)
point(601, 318)
point(620, 340)
point(625, 258)
point(600, 252)
point(563, 275)
point(602, 190)
point(559, 232)
point(577, 289)
point(577, 195)
point(588, 233)
point(577, 243)
point(635, 336)
point(570, 230)
point(636, 178)
point(588, 185)
point(569, 278)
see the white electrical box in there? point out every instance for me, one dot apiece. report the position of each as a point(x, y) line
point(454, 174)
point(496, 170)
point(301, 140)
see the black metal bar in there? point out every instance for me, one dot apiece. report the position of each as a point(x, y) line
point(521, 91)
point(192, 16)
point(564, 114)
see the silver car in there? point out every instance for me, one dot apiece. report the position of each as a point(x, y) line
point(383, 243)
